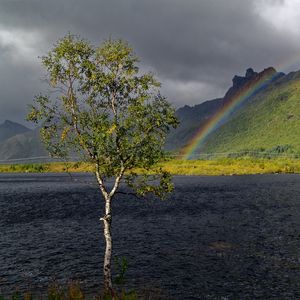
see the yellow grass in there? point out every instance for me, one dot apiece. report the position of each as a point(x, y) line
point(225, 166)
point(228, 166)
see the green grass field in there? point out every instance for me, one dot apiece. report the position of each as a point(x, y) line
point(270, 120)
point(225, 166)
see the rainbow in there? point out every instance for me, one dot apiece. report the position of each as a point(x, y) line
point(194, 146)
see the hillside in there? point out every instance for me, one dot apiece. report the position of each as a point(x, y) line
point(269, 121)
point(23, 145)
point(9, 129)
point(190, 120)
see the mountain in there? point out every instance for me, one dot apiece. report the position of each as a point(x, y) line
point(269, 121)
point(192, 119)
point(24, 145)
point(251, 79)
point(9, 129)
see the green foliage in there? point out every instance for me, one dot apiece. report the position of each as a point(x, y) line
point(121, 266)
point(55, 292)
point(274, 152)
point(72, 291)
point(161, 182)
point(26, 168)
point(105, 111)
point(131, 295)
point(110, 114)
point(281, 149)
point(16, 296)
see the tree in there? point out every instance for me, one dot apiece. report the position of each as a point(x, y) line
point(106, 111)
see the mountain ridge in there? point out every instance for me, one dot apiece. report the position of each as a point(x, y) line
point(258, 81)
point(245, 128)
point(9, 129)
point(269, 122)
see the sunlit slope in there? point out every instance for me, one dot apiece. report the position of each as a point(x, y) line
point(270, 119)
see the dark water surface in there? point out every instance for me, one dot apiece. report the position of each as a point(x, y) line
point(232, 237)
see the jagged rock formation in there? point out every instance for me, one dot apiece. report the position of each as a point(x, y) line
point(251, 78)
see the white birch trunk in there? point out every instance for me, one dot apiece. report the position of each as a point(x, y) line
point(108, 247)
point(107, 219)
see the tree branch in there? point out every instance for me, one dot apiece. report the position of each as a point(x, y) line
point(117, 182)
point(74, 118)
point(100, 182)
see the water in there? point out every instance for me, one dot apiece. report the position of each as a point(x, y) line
point(232, 237)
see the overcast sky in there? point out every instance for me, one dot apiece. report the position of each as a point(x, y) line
point(194, 47)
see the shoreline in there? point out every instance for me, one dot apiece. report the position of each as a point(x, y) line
point(217, 167)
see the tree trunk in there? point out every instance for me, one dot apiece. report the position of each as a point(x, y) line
point(108, 248)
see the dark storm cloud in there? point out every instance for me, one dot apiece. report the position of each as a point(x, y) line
point(194, 46)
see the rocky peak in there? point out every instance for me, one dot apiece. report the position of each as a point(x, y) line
point(268, 71)
point(238, 81)
point(250, 73)
point(251, 78)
